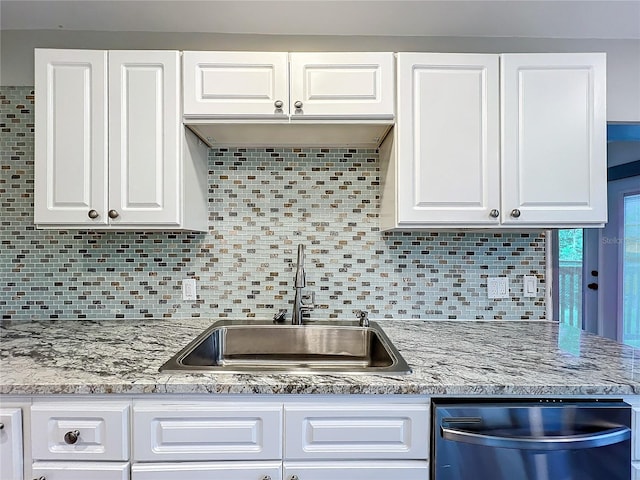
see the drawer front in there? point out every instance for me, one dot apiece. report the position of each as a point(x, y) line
point(357, 432)
point(202, 431)
point(69, 431)
point(358, 470)
point(81, 471)
point(207, 471)
point(11, 443)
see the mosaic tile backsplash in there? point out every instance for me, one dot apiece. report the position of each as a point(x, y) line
point(263, 203)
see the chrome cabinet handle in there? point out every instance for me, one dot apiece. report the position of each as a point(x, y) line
point(1, 426)
point(515, 213)
point(298, 104)
point(71, 437)
point(494, 213)
point(278, 104)
point(113, 214)
point(93, 214)
point(266, 477)
point(293, 477)
point(40, 478)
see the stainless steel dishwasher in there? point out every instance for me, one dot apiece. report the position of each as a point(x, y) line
point(531, 440)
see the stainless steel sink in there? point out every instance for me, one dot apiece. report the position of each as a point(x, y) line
point(262, 347)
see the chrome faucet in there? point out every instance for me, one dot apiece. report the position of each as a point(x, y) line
point(300, 282)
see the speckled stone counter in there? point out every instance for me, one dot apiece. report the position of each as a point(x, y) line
point(447, 358)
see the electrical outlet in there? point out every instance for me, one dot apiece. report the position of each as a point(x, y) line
point(498, 287)
point(189, 287)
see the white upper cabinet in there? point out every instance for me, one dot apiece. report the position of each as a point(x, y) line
point(554, 139)
point(448, 139)
point(348, 85)
point(111, 151)
point(236, 84)
point(71, 136)
point(281, 86)
point(485, 141)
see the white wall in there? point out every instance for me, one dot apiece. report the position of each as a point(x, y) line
point(623, 56)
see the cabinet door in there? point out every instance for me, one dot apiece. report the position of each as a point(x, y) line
point(144, 137)
point(11, 443)
point(80, 471)
point(207, 471)
point(554, 139)
point(205, 431)
point(80, 431)
point(340, 431)
point(345, 85)
point(448, 147)
point(236, 84)
point(357, 470)
point(71, 137)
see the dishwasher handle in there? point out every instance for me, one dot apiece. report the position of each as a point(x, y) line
point(564, 442)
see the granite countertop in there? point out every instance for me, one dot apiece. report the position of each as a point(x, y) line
point(447, 358)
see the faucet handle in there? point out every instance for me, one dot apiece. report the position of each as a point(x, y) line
point(280, 315)
point(308, 301)
point(363, 317)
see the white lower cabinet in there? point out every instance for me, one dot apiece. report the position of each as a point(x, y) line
point(208, 471)
point(11, 443)
point(352, 431)
point(357, 470)
point(80, 471)
point(279, 440)
point(87, 431)
point(80, 440)
point(206, 431)
point(635, 471)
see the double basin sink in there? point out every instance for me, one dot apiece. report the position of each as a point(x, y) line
point(262, 347)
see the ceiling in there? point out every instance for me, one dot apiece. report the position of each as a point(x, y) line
point(580, 19)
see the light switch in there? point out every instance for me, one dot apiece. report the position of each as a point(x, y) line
point(530, 288)
point(189, 289)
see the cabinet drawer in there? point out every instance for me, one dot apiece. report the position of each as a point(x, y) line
point(72, 431)
point(357, 432)
point(207, 471)
point(352, 470)
point(81, 470)
point(635, 428)
point(11, 443)
point(202, 431)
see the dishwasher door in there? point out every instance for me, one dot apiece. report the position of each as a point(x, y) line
point(533, 440)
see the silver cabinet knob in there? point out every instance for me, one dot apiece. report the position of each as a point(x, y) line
point(113, 214)
point(1, 426)
point(293, 477)
point(278, 104)
point(71, 437)
point(494, 213)
point(40, 478)
point(266, 477)
point(515, 213)
point(93, 214)
point(298, 104)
